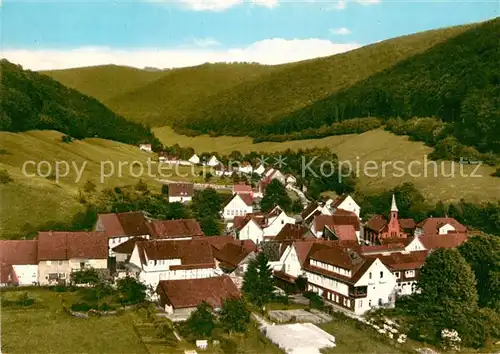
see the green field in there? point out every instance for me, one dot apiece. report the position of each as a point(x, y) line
point(36, 200)
point(376, 145)
point(46, 328)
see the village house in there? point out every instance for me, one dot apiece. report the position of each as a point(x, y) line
point(180, 192)
point(307, 215)
point(260, 170)
point(260, 227)
point(406, 270)
point(121, 227)
point(180, 298)
point(239, 205)
point(439, 226)
point(195, 160)
point(61, 252)
point(271, 174)
point(245, 168)
point(344, 202)
point(347, 279)
point(18, 262)
point(221, 170)
point(290, 179)
point(233, 259)
point(145, 147)
point(342, 225)
point(212, 161)
point(157, 260)
point(165, 157)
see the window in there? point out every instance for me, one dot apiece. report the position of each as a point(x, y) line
point(370, 275)
point(410, 273)
point(49, 262)
point(381, 274)
point(60, 262)
point(397, 275)
point(82, 265)
point(360, 304)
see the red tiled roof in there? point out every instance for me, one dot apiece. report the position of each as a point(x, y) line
point(345, 232)
point(191, 292)
point(175, 228)
point(405, 241)
point(180, 189)
point(231, 255)
point(431, 226)
point(7, 274)
point(242, 188)
point(407, 223)
point(62, 245)
point(402, 261)
point(376, 222)
point(247, 198)
point(323, 220)
point(128, 246)
point(18, 252)
point(124, 224)
point(390, 247)
point(449, 240)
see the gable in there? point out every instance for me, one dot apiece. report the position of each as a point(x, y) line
point(415, 245)
point(375, 268)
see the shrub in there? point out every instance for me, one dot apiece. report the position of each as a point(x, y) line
point(5, 177)
point(82, 307)
point(66, 139)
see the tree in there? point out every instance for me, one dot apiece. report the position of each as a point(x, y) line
point(89, 187)
point(448, 296)
point(210, 225)
point(208, 177)
point(275, 194)
point(301, 282)
point(258, 283)
point(201, 321)
point(141, 186)
point(206, 202)
point(164, 189)
point(85, 276)
point(234, 316)
point(483, 255)
point(131, 291)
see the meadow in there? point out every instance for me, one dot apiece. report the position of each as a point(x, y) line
point(375, 145)
point(35, 200)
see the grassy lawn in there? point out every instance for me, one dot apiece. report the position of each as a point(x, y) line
point(47, 329)
point(376, 145)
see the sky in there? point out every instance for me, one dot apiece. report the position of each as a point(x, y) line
point(42, 34)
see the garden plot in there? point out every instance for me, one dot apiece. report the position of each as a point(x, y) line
point(298, 315)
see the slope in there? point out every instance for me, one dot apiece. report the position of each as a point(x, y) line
point(457, 81)
point(34, 101)
point(175, 95)
point(244, 109)
point(104, 81)
point(36, 200)
point(378, 146)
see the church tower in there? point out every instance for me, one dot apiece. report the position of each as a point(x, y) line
point(394, 229)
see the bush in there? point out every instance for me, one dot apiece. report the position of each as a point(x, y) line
point(106, 307)
point(66, 139)
point(82, 307)
point(5, 177)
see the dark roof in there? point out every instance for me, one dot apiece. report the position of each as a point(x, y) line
point(175, 228)
point(339, 201)
point(449, 240)
point(231, 255)
point(63, 245)
point(124, 224)
point(407, 223)
point(242, 188)
point(309, 210)
point(180, 189)
point(344, 232)
point(191, 292)
point(323, 220)
point(376, 222)
point(18, 252)
point(403, 261)
point(431, 226)
point(247, 198)
point(292, 232)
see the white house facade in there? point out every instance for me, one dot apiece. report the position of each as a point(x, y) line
point(239, 205)
point(195, 160)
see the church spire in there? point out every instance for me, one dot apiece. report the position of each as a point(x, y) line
point(394, 207)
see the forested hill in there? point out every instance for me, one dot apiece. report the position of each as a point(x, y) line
point(457, 81)
point(33, 101)
point(246, 108)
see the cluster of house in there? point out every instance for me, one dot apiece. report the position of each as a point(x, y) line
point(165, 157)
point(353, 264)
